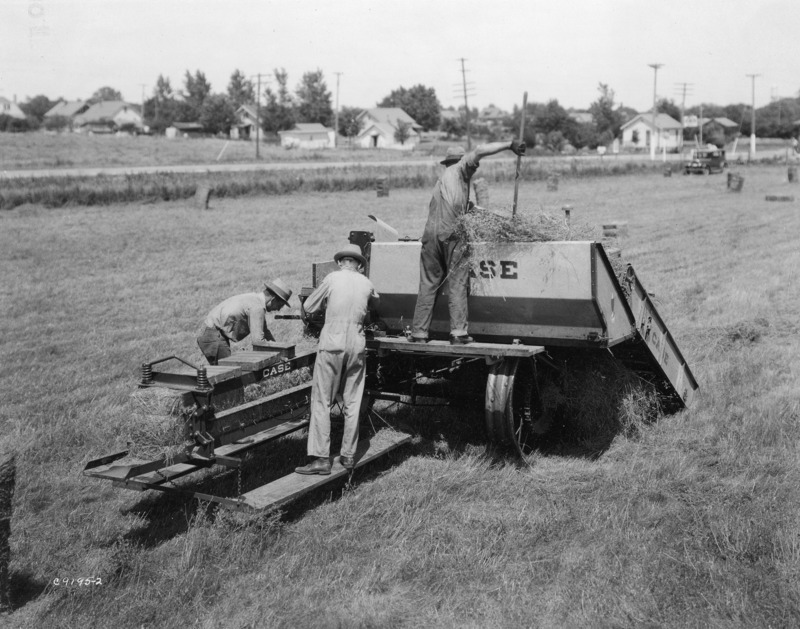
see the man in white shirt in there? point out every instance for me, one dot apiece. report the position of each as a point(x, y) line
point(346, 296)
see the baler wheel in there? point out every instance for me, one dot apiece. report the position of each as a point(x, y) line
point(513, 409)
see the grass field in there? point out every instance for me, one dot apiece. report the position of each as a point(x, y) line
point(73, 150)
point(692, 523)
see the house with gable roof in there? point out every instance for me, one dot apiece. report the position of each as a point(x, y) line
point(10, 109)
point(379, 126)
point(640, 131)
point(107, 117)
point(66, 110)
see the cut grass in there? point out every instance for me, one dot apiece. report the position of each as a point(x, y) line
point(689, 522)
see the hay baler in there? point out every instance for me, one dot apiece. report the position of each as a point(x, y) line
point(534, 308)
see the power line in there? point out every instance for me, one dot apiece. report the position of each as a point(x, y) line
point(336, 113)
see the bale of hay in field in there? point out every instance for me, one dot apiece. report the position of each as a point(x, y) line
point(157, 423)
point(8, 470)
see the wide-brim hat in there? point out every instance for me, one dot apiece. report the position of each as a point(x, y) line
point(351, 251)
point(454, 154)
point(278, 288)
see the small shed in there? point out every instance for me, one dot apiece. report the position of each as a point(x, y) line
point(185, 130)
point(308, 135)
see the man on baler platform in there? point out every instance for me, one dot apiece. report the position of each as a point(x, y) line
point(444, 255)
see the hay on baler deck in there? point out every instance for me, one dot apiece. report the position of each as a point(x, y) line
point(480, 225)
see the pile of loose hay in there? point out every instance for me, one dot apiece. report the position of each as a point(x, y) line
point(598, 398)
point(482, 225)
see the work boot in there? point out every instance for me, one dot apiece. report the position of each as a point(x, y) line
point(320, 465)
point(461, 339)
point(348, 462)
point(417, 339)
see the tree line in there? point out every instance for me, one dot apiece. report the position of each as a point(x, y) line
point(548, 125)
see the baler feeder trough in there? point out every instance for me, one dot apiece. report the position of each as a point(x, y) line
point(530, 303)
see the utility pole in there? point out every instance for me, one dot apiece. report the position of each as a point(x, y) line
point(336, 113)
point(464, 85)
point(655, 67)
point(683, 88)
point(753, 115)
point(258, 113)
point(143, 86)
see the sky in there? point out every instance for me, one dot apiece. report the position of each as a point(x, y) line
point(551, 49)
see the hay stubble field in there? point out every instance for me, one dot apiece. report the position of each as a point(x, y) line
point(690, 523)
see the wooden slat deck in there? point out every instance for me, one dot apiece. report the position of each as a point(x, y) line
point(294, 485)
point(251, 361)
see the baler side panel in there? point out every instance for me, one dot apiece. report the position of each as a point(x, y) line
point(613, 307)
point(655, 336)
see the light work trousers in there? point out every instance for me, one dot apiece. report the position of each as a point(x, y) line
point(335, 372)
point(440, 261)
point(213, 345)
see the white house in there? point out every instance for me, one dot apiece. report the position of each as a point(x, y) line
point(11, 109)
point(308, 135)
point(638, 132)
point(379, 126)
point(246, 121)
point(107, 116)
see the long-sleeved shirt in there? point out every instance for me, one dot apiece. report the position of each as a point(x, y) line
point(240, 315)
point(348, 295)
point(449, 199)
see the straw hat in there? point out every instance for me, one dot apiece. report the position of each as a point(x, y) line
point(278, 288)
point(454, 154)
point(351, 251)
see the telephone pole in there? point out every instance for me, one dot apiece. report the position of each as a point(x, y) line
point(753, 114)
point(258, 112)
point(653, 133)
point(684, 88)
point(336, 113)
point(464, 86)
point(143, 85)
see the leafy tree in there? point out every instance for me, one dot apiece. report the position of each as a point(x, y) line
point(37, 107)
point(402, 132)
point(196, 90)
point(241, 90)
point(279, 112)
point(161, 110)
point(667, 106)
point(349, 124)
point(606, 118)
point(217, 114)
point(56, 123)
point(314, 99)
point(452, 126)
point(105, 93)
point(419, 102)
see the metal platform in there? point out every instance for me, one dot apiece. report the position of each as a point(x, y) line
point(294, 485)
point(387, 344)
